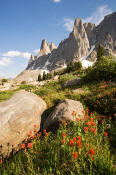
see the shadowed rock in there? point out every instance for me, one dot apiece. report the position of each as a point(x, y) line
point(17, 117)
point(63, 112)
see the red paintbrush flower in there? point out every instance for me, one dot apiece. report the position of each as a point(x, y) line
point(91, 152)
point(74, 138)
point(75, 155)
point(29, 145)
point(85, 129)
point(63, 141)
point(22, 146)
point(106, 133)
point(79, 138)
point(79, 144)
point(71, 142)
point(63, 135)
point(88, 123)
point(73, 113)
point(46, 134)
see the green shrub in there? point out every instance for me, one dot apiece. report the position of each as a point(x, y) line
point(80, 148)
point(4, 80)
point(46, 76)
point(104, 69)
point(100, 52)
point(71, 67)
point(23, 82)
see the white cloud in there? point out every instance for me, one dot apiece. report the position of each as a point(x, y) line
point(17, 54)
point(8, 56)
point(5, 61)
point(97, 16)
point(2, 75)
point(36, 51)
point(68, 24)
point(56, 1)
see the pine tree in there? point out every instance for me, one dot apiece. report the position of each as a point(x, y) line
point(39, 77)
point(44, 76)
point(77, 66)
point(100, 52)
point(70, 67)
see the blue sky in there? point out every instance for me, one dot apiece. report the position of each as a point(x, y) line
point(24, 23)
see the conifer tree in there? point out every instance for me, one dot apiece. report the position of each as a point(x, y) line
point(44, 76)
point(100, 52)
point(39, 77)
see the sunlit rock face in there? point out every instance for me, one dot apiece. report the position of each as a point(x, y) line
point(81, 45)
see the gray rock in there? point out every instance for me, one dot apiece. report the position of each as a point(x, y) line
point(52, 46)
point(72, 48)
point(17, 117)
point(45, 49)
point(106, 33)
point(63, 112)
point(93, 56)
point(78, 45)
point(90, 30)
point(72, 82)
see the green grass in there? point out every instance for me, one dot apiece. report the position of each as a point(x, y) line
point(49, 156)
point(72, 150)
point(5, 95)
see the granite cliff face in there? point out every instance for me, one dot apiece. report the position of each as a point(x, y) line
point(46, 48)
point(106, 33)
point(72, 48)
point(81, 45)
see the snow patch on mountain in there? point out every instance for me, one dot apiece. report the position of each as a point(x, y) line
point(84, 61)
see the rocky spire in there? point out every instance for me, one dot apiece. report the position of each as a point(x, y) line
point(90, 30)
point(45, 48)
point(52, 46)
point(79, 39)
point(32, 58)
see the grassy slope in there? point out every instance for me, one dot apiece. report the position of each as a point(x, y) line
point(52, 93)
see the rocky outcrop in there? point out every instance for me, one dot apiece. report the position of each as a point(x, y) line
point(73, 48)
point(17, 118)
point(45, 49)
point(52, 47)
point(81, 45)
point(106, 33)
point(72, 82)
point(90, 30)
point(63, 112)
point(93, 56)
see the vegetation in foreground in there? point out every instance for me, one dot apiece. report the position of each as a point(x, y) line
point(84, 147)
point(77, 148)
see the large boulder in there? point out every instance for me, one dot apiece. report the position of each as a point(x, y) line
point(73, 82)
point(18, 116)
point(63, 112)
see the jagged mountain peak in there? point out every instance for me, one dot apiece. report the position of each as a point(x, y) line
point(52, 46)
point(44, 44)
point(81, 44)
point(78, 28)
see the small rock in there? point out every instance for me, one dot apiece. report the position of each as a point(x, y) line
point(72, 82)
